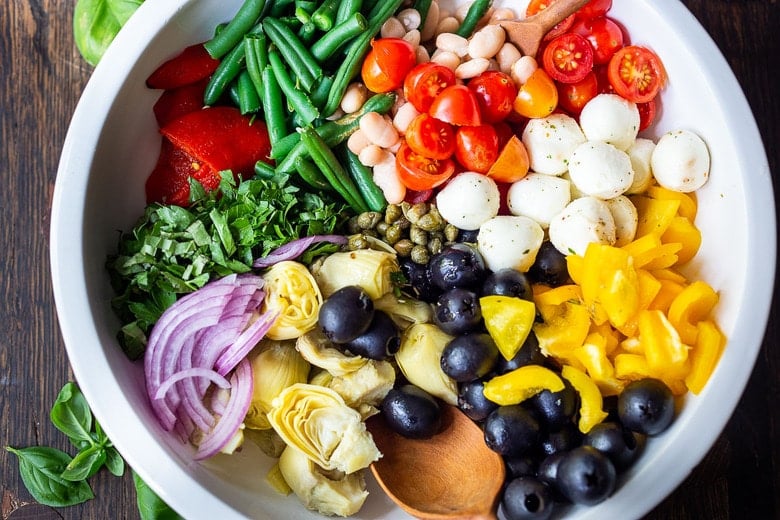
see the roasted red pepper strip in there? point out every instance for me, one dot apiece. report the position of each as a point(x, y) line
point(174, 103)
point(169, 181)
point(192, 65)
point(221, 138)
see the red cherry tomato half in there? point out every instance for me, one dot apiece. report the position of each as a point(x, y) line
point(646, 114)
point(387, 64)
point(456, 105)
point(573, 96)
point(604, 35)
point(636, 73)
point(561, 27)
point(420, 173)
point(431, 137)
point(568, 58)
point(495, 93)
point(594, 8)
point(425, 81)
point(476, 147)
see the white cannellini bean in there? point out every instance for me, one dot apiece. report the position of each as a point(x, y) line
point(600, 169)
point(378, 129)
point(493, 64)
point(472, 68)
point(394, 149)
point(539, 197)
point(462, 10)
point(509, 242)
point(357, 141)
point(410, 18)
point(507, 55)
point(681, 161)
point(640, 153)
point(522, 69)
point(421, 54)
point(392, 28)
point(486, 42)
point(354, 97)
point(372, 155)
point(428, 29)
point(413, 37)
point(582, 221)
point(502, 13)
point(447, 25)
point(404, 116)
point(550, 142)
point(610, 118)
point(386, 177)
point(335, 115)
point(453, 43)
point(446, 58)
point(626, 219)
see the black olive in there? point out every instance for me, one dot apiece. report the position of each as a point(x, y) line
point(614, 441)
point(556, 409)
point(520, 466)
point(457, 311)
point(511, 431)
point(646, 406)
point(508, 282)
point(346, 314)
point(412, 412)
point(565, 439)
point(380, 341)
point(472, 400)
point(418, 277)
point(469, 357)
point(458, 265)
point(527, 498)
point(547, 472)
point(549, 267)
point(586, 476)
point(467, 235)
point(529, 354)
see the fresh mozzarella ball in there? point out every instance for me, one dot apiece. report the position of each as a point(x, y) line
point(469, 200)
point(550, 141)
point(600, 170)
point(583, 221)
point(681, 161)
point(640, 153)
point(575, 193)
point(509, 242)
point(626, 219)
point(539, 196)
point(610, 118)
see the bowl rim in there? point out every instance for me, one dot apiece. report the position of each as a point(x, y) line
point(115, 413)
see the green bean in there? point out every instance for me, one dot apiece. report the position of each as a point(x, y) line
point(330, 42)
point(273, 107)
point(310, 174)
point(307, 32)
point(476, 11)
point(347, 8)
point(256, 58)
point(264, 170)
point(363, 177)
point(278, 7)
point(294, 52)
point(325, 14)
point(242, 22)
point(320, 93)
point(228, 70)
point(422, 7)
point(233, 92)
point(350, 67)
point(248, 97)
point(300, 102)
point(307, 6)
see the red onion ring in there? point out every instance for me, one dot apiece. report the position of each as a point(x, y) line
point(295, 248)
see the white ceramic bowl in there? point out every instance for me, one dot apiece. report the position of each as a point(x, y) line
point(112, 145)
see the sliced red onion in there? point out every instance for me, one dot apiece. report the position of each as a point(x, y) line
point(295, 248)
point(245, 343)
point(206, 373)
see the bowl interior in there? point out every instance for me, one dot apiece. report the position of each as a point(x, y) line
point(112, 146)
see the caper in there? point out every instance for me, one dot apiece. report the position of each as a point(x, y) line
point(352, 226)
point(450, 233)
point(435, 245)
point(418, 236)
point(357, 241)
point(381, 227)
point(403, 222)
point(416, 212)
point(404, 247)
point(420, 255)
point(393, 213)
point(431, 221)
point(369, 219)
point(371, 233)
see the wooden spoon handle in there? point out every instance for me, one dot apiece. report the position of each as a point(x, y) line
point(556, 12)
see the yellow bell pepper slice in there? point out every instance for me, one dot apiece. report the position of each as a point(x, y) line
point(521, 383)
point(574, 264)
point(692, 305)
point(666, 354)
point(591, 402)
point(654, 214)
point(688, 204)
point(609, 280)
point(682, 231)
point(548, 301)
point(705, 355)
point(563, 330)
point(632, 367)
point(508, 321)
point(667, 292)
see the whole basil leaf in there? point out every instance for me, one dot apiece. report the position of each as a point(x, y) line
point(85, 464)
point(71, 415)
point(40, 468)
point(150, 506)
point(114, 462)
point(97, 22)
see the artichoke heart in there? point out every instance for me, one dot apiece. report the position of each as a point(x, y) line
point(275, 366)
point(317, 421)
point(328, 493)
point(419, 359)
point(367, 385)
point(292, 292)
point(371, 270)
point(406, 312)
point(320, 352)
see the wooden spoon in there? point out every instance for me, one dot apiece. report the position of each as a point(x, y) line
point(452, 475)
point(527, 33)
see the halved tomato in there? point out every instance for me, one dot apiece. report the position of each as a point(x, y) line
point(573, 96)
point(604, 35)
point(538, 97)
point(534, 6)
point(594, 8)
point(456, 105)
point(568, 58)
point(431, 137)
point(646, 113)
point(425, 81)
point(476, 147)
point(636, 73)
point(421, 173)
point(387, 64)
point(495, 93)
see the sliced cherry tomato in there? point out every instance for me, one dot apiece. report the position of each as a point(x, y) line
point(425, 81)
point(387, 64)
point(568, 58)
point(594, 8)
point(636, 73)
point(456, 105)
point(476, 147)
point(604, 35)
point(512, 163)
point(646, 113)
point(495, 93)
point(538, 97)
point(561, 27)
point(602, 77)
point(431, 137)
point(504, 132)
point(420, 173)
point(573, 96)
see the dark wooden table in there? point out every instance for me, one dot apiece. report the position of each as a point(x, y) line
point(42, 78)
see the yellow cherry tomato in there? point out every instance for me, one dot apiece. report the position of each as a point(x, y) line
point(538, 97)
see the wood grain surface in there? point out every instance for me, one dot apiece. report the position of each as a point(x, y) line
point(42, 78)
